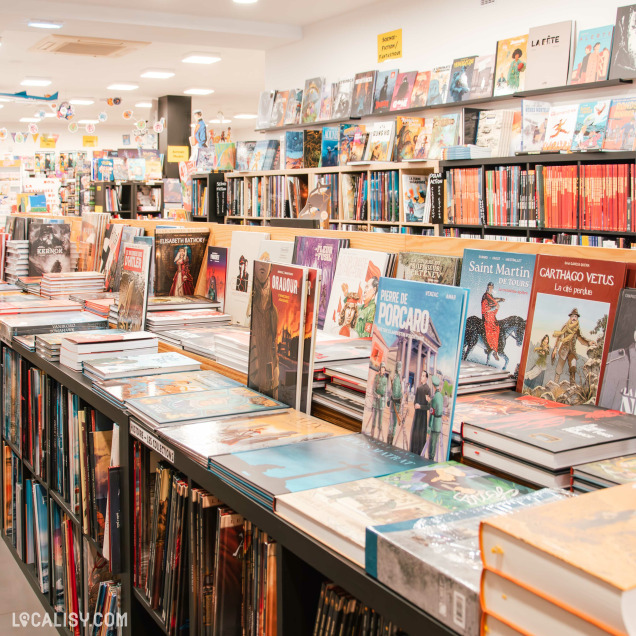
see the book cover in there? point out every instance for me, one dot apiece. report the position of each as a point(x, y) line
point(49, 248)
point(414, 189)
point(423, 143)
point(128, 234)
point(132, 366)
point(592, 57)
point(548, 52)
point(510, 67)
point(294, 104)
point(239, 273)
point(419, 93)
point(444, 134)
point(133, 290)
point(359, 145)
point(326, 101)
point(311, 100)
point(104, 170)
point(265, 105)
point(591, 122)
point(492, 131)
point(120, 169)
point(380, 143)
point(224, 156)
point(293, 149)
point(150, 241)
point(179, 254)
point(312, 146)
point(569, 327)
point(271, 159)
point(244, 155)
point(500, 285)
point(615, 471)
point(623, 61)
point(352, 301)
point(620, 133)
point(363, 92)
point(165, 410)
point(483, 75)
point(559, 131)
point(275, 251)
point(438, 86)
point(136, 169)
point(215, 275)
point(277, 324)
point(342, 99)
point(417, 340)
point(315, 463)
point(260, 152)
point(110, 253)
point(461, 79)
point(404, 83)
point(408, 130)
point(100, 461)
point(153, 169)
point(384, 87)
point(534, 122)
point(322, 253)
point(329, 146)
point(429, 268)
point(348, 134)
point(279, 109)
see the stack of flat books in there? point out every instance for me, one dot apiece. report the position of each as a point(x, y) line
point(17, 263)
point(61, 285)
point(137, 365)
point(200, 340)
point(604, 474)
point(29, 284)
point(48, 345)
point(539, 441)
point(477, 378)
point(181, 303)
point(171, 319)
point(28, 304)
point(99, 306)
point(233, 350)
point(346, 388)
point(76, 349)
point(28, 324)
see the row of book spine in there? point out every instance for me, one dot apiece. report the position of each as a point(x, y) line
point(199, 197)
point(384, 199)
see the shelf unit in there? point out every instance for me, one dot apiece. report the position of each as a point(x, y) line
point(127, 196)
point(209, 197)
point(529, 162)
point(239, 197)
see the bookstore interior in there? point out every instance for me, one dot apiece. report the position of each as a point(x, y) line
point(315, 317)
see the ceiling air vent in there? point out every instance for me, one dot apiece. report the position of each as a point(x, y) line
point(93, 47)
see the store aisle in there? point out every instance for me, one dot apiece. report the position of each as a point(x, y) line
point(16, 596)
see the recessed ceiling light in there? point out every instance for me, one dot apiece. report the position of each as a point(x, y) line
point(44, 24)
point(88, 121)
point(29, 120)
point(81, 102)
point(245, 1)
point(201, 58)
point(4, 99)
point(35, 81)
point(157, 74)
point(1, 105)
point(198, 91)
point(47, 115)
point(122, 87)
point(143, 105)
point(245, 116)
point(220, 121)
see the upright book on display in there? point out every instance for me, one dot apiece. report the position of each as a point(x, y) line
point(623, 64)
point(363, 91)
point(417, 341)
point(384, 87)
point(429, 268)
point(49, 248)
point(548, 55)
point(500, 284)
point(592, 57)
point(570, 322)
point(510, 67)
point(215, 277)
point(133, 290)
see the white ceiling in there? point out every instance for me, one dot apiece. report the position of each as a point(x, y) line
point(239, 33)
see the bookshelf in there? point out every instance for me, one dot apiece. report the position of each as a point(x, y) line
point(254, 197)
point(122, 198)
point(209, 197)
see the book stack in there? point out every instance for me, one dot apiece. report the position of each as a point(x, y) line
point(181, 303)
point(468, 151)
point(17, 263)
point(494, 131)
point(29, 284)
point(476, 378)
point(604, 474)
point(75, 349)
point(100, 306)
point(137, 365)
point(233, 350)
point(541, 577)
point(536, 440)
point(346, 387)
point(63, 284)
point(48, 345)
point(200, 340)
point(435, 562)
point(163, 320)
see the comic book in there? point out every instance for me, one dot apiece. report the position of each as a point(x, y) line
point(461, 79)
point(420, 89)
point(438, 86)
point(311, 100)
point(444, 133)
point(534, 120)
point(559, 131)
point(591, 122)
point(408, 131)
point(312, 140)
point(215, 276)
point(384, 87)
point(133, 290)
point(483, 74)
point(363, 92)
point(404, 83)
point(279, 109)
point(592, 57)
point(548, 55)
point(294, 103)
point(342, 97)
point(510, 67)
point(429, 268)
point(623, 64)
point(49, 248)
point(620, 133)
point(329, 150)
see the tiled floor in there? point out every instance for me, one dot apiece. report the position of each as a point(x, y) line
point(16, 596)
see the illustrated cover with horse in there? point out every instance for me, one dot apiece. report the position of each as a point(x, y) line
point(570, 325)
point(416, 350)
point(500, 284)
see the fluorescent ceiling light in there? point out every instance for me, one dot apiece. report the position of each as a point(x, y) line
point(220, 121)
point(122, 87)
point(5, 99)
point(157, 74)
point(245, 116)
point(143, 105)
point(201, 58)
point(44, 24)
point(88, 121)
point(245, 1)
point(81, 102)
point(198, 91)
point(35, 81)
point(29, 120)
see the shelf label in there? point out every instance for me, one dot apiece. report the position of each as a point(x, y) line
point(390, 45)
point(89, 141)
point(151, 441)
point(178, 153)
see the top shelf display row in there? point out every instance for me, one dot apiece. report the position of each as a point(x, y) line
point(543, 61)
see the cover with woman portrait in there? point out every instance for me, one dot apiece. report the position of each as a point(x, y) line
point(510, 68)
point(179, 255)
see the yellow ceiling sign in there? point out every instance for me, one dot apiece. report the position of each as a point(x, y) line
point(178, 153)
point(89, 141)
point(390, 45)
